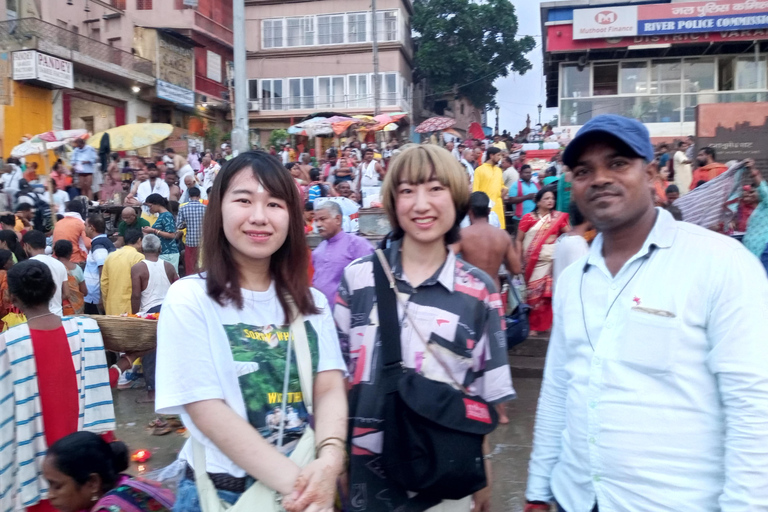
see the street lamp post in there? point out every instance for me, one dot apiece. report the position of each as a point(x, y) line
point(539, 107)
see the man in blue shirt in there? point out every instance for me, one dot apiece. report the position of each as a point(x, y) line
point(521, 195)
point(83, 158)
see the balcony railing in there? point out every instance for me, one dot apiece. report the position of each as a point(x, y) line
point(217, 29)
point(32, 33)
point(322, 102)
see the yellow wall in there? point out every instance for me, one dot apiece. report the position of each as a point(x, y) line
point(30, 113)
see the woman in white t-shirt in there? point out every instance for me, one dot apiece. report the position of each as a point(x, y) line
point(222, 342)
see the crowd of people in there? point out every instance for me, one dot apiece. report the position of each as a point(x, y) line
point(303, 369)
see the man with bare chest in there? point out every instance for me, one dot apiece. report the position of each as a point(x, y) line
point(487, 247)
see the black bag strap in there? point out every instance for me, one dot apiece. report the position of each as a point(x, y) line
point(389, 324)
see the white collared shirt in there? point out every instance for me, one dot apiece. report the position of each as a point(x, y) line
point(669, 412)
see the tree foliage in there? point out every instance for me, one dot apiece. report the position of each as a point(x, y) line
point(469, 44)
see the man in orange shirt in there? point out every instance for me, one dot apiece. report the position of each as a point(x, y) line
point(72, 228)
point(707, 169)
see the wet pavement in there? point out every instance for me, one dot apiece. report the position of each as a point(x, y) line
point(511, 444)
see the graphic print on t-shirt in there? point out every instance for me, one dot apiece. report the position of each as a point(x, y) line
point(259, 353)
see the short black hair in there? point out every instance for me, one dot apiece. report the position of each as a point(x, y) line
point(31, 282)
point(97, 222)
point(575, 215)
point(291, 165)
point(524, 167)
point(493, 150)
point(169, 150)
point(680, 143)
point(309, 206)
point(672, 188)
point(34, 239)
point(8, 218)
point(114, 156)
point(75, 206)
point(368, 150)
point(314, 174)
point(710, 152)
point(478, 205)
point(24, 207)
point(150, 165)
point(62, 249)
point(193, 192)
point(133, 235)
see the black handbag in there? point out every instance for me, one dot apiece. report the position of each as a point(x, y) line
point(433, 433)
point(518, 327)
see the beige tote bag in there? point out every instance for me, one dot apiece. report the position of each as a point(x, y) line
point(260, 497)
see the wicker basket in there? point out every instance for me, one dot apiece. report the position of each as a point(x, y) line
point(127, 334)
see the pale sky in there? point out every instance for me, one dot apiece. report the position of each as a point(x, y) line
point(518, 95)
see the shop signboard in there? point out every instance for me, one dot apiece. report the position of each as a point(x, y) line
point(670, 18)
point(560, 39)
point(176, 94)
point(736, 130)
point(33, 65)
point(175, 62)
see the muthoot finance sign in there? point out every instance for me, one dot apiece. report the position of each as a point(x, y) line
point(605, 22)
point(33, 65)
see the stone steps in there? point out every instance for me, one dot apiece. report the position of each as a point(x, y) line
point(526, 360)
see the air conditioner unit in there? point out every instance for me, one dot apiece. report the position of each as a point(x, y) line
point(253, 106)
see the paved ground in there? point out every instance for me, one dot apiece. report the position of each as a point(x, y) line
point(511, 443)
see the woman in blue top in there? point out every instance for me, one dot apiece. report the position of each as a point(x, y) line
point(165, 228)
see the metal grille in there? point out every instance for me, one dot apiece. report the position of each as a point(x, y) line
point(32, 33)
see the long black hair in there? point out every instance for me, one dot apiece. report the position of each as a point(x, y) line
point(81, 454)
point(12, 241)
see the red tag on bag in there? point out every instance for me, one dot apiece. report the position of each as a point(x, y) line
point(477, 411)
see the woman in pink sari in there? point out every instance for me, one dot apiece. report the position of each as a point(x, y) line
point(537, 233)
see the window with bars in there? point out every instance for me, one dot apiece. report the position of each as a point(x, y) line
point(300, 31)
point(356, 27)
point(273, 33)
point(330, 29)
point(357, 90)
point(143, 5)
point(272, 94)
point(386, 25)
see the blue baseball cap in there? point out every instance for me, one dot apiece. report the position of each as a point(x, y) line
point(631, 133)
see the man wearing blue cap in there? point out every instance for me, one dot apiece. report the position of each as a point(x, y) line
point(655, 391)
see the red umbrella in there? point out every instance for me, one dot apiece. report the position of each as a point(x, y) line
point(476, 131)
point(434, 124)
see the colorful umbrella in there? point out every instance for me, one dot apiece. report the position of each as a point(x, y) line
point(340, 127)
point(44, 142)
point(133, 136)
point(434, 124)
point(451, 131)
point(391, 127)
point(476, 131)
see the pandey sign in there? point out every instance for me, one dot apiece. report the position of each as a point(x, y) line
point(33, 65)
point(675, 18)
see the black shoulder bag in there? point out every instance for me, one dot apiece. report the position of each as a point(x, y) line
point(433, 433)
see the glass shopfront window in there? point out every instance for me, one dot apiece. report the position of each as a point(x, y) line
point(575, 81)
point(660, 90)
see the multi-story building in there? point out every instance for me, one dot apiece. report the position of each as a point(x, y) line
point(97, 64)
point(653, 60)
point(316, 55)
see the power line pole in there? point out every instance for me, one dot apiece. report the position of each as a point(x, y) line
point(376, 76)
point(240, 120)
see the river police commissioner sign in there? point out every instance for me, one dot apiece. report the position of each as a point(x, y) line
point(675, 18)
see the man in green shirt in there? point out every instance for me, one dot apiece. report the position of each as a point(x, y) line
point(129, 221)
